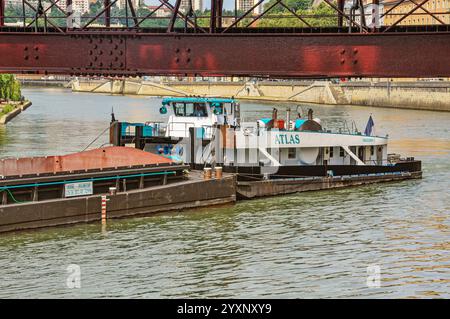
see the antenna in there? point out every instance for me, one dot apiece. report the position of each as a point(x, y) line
point(113, 118)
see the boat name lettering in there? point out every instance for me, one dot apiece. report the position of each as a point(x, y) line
point(285, 139)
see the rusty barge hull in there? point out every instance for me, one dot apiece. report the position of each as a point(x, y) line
point(48, 191)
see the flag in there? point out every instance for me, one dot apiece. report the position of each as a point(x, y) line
point(369, 126)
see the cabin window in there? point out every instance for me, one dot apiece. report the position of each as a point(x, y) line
point(292, 153)
point(190, 109)
point(331, 152)
point(341, 152)
point(178, 109)
point(372, 150)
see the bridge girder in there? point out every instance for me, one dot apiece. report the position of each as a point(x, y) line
point(128, 53)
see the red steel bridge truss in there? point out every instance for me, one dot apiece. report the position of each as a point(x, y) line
point(354, 44)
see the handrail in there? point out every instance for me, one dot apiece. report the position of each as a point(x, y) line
point(92, 179)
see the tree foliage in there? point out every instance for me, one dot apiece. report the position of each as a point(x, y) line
point(9, 88)
point(295, 5)
point(321, 16)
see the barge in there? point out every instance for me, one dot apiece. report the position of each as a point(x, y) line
point(59, 190)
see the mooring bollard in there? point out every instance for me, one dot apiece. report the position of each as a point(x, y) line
point(112, 190)
point(218, 172)
point(207, 173)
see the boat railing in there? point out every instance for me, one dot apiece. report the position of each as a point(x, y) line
point(385, 161)
point(157, 128)
point(375, 162)
point(174, 128)
point(346, 127)
point(209, 131)
point(148, 129)
point(277, 177)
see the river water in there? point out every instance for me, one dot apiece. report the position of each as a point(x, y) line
point(314, 244)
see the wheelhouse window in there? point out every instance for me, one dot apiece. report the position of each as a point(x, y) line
point(190, 109)
point(331, 152)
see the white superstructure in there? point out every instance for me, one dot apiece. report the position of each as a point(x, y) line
point(212, 127)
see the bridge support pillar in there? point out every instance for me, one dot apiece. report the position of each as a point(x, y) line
point(107, 12)
point(341, 4)
point(375, 23)
point(2, 13)
point(216, 15)
point(69, 11)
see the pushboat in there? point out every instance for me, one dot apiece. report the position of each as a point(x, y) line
point(270, 156)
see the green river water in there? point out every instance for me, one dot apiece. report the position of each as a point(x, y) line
point(314, 244)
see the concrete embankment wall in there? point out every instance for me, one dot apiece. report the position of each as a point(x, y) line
point(19, 108)
point(430, 96)
point(413, 95)
point(45, 83)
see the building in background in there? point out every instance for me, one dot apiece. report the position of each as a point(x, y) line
point(161, 12)
point(79, 6)
point(396, 9)
point(121, 4)
point(197, 5)
point(440, 8)
point(245, 5)
point(372, 13)
point(13, 3)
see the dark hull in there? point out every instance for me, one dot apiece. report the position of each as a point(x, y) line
point(292, 179)
point(283, 186)
point(322, 170)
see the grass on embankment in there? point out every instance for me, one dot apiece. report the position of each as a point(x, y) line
point(6, 108)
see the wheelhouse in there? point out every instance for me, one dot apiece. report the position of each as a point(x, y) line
point(198, 112)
